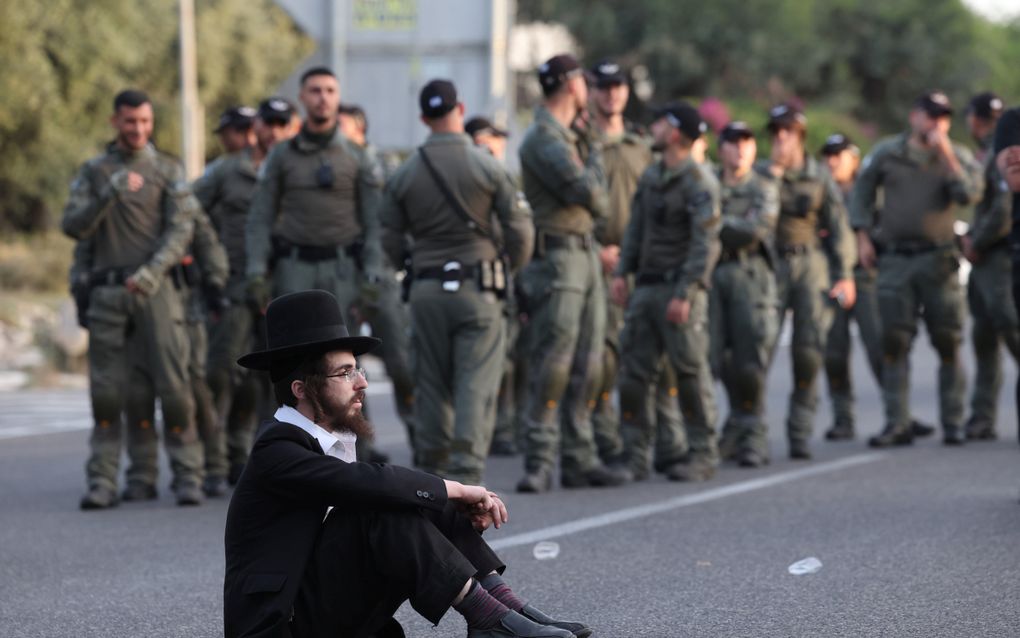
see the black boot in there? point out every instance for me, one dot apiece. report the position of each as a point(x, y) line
point(893, 435)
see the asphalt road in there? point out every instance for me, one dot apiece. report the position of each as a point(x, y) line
point(922, 541)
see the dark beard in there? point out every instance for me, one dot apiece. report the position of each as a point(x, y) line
point(658, 147)
point(342, 418)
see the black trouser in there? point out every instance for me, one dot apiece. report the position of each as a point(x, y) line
point(1015, 253)
point(367, 563)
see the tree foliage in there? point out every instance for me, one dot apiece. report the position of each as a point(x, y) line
point(64, 60)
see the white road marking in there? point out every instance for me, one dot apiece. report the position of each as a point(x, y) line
point(651, 509)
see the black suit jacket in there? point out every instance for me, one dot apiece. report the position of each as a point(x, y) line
point(277, 510)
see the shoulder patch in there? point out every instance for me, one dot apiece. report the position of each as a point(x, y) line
point(700, 198)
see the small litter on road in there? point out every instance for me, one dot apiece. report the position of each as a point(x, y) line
point(546, 550)
point(808, 565)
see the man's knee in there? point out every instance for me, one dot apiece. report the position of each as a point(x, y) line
point(806, 362)
point(895, 343)
point(946, 342)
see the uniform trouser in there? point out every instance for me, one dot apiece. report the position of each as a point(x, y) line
point(366, 563)
point(457, 349)
point(838, 344)
point(646, 335)
point(388, 317)
point(994, 322)
point(235, 390)
point(802, 286)
point(138, 350)
point(567, 332)
point(513, 384)
point(910, 286)
point(742, 315)
point(662, 391)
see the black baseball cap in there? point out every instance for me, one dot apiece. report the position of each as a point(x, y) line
point(837, 143)
point(684, 117)
point(986, 105)
point(483, 125)
point(556, 70)
point(735, 131)
point(236, 117)
point(276, 109)
point(437, 98)
point(607, 73)
point(784, 116)
point(934, 103)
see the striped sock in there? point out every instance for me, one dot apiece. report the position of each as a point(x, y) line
point(481, 610)
point(499, 590)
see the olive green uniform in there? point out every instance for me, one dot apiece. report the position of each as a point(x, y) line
point(140, 234)
point(742, 308)
point(457, 324)
point(917, 271)
point(670, 247)
point(809, 203)
point(566, 300)
point(625, 158)
point(988, 292)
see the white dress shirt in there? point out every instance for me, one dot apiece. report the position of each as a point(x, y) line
point(340, 445)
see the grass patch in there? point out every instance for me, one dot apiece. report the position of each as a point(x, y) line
point(37, 263)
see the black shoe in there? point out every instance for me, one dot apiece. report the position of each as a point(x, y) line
point(99, 498)
point(580, 630)
point(189, 495)
point(692, 471)
point(980, 430)
point(503, 448)
point(235, 473)
point(920, 429)
point(598, 476)
point(841, 430)
point(800, 450)
point(214, 486)
point(514, 624)
point(750, 458)
point(953, 435)
point(139, 492)
point(535, 482)
point(891, 436)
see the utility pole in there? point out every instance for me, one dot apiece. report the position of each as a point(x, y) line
point(192, 125)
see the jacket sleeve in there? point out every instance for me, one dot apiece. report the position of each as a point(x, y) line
point(370, 185)
point(209, 252)
point(393, 221)
point(207, 187)
point(179, 210)
point(514, 216)
point(967, 187)
point(703, 252)
point(842, 243)
point(265, 204)
point(865, 191)
point(560, 170)
point(992, 217)
point(630, 248)
point(87, 205)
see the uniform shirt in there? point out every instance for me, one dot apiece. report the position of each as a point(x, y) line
point(993, 214)
point(340, 446)
point(414, 204)
point(225, 191)
point(750, 209)
point(625, 158)
point(920, 199)
point(567, 194)
point(674, 226)
point(293, 203)
point(150, 227)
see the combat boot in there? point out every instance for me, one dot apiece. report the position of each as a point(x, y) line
point(921, 429)
point(188, 495)
point(214, 486)
point(953, 434)
point(729, 439)
point(979, 429)
point(535, 481)
point(598, 476)
point(891, 436)
point(751, 458)
point(841, 430)
point(693, 470)
point(139, 492)
point(800, 450)
point(99, 498)
point(580, 630)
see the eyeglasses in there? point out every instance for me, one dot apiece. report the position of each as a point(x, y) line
point(351, 374)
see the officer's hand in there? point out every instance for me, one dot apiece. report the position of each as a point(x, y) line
point(845, 293)
point(610, 257)
point(142, 282)
point(371, 289)
point(124, 181)
point(678, 311)
point(257, 294)
point(972, 255)
point(618, 290)
point(865, 250)
point(215, 301)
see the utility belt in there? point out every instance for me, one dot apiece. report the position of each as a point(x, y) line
point(654, 278)
point(491, 276)
point(795, 249)
point(912, 248)
point(283, 248)
point(736, 254)
point(545, 242)
point(110, 276)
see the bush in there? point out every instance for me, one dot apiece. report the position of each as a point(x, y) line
point(37, 263)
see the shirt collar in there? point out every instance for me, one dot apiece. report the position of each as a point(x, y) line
point(326, 439)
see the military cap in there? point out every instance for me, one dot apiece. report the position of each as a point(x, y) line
point(837, 143)
point(735, 131)
point(478, 125)
point(934, 103)
point(784, 116)
point(607, 73)
point(986, 105)
point(236, 117)
point(684, 117)
point(556, 70)
point(437, 98)
point(276, 109)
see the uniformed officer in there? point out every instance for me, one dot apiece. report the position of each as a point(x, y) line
point(313, 213)
point(626, 153)
point(134, 205)
point(458, 206)
point(488, 136)
point(234, 128)
point(381, 307)
point(986, 246)
point(1006, 150)
point(742, 307)
point(225, 191)
point(809, 205)
point(566, 302)
point(924, 179)
point(670, 247)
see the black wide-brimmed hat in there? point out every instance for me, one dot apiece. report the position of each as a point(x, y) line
point(305, 323)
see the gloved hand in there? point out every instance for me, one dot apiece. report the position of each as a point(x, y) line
point(215, 301)
point(143, 282)
point(257, 293)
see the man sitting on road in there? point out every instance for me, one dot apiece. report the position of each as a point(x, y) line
point(320, 545)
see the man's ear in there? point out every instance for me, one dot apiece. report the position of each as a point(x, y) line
point(297, 388)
